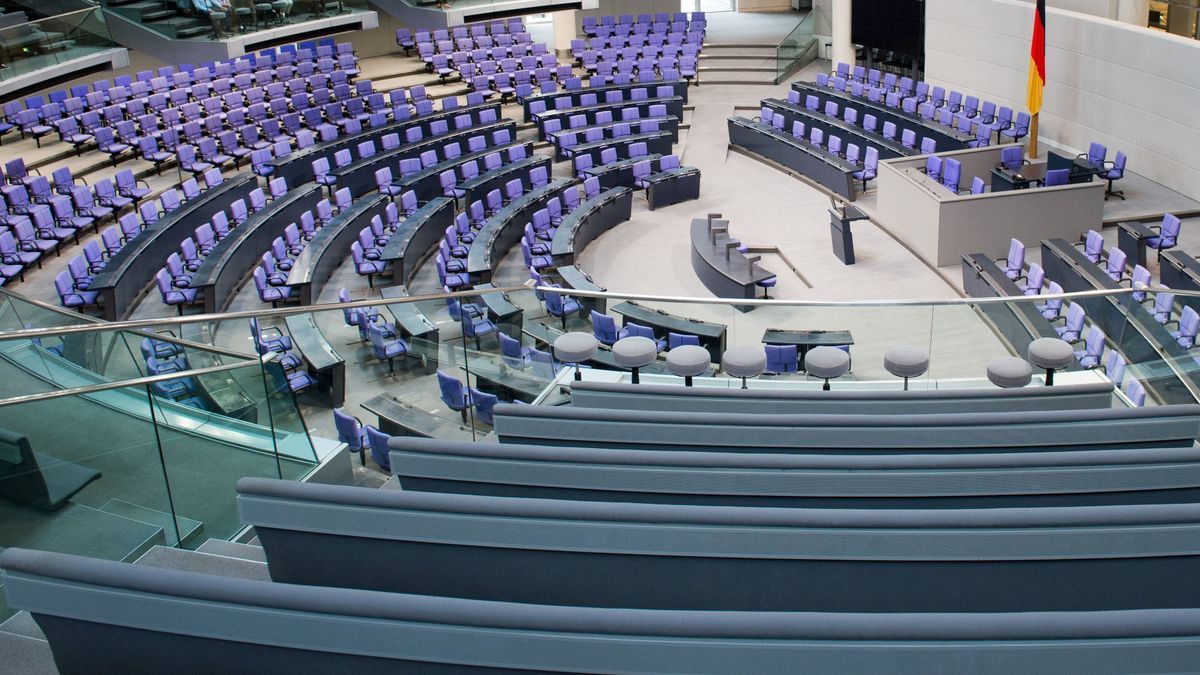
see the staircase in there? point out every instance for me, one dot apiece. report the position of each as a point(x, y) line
point(24, 646)
point(160, 17)
point(753, 64)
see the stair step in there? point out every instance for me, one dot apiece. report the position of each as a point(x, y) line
point(22, 624)
point(188, 528)
point(204, 563)
point(232, 549)
point(26, 655)
point(158, 14)
point(736, 69)
point(194, 30)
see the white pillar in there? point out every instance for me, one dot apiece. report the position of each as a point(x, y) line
point(566, 28)
point(843, 49)
point(1136, 12)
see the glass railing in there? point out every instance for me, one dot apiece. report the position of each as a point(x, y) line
point(115, 440)
point(33, 45)
point(799, 48)
point(122, 458)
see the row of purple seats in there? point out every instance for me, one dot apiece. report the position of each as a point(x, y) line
point(568, 141)
point(611, 96)
point(850, 152)
point(407, 39)
point(485, 42)
point(868, 123)
point(518, 45)
point(605, 120)
point(452, 170)
point(967, 114)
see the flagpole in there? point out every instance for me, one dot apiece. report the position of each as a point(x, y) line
point(1033, 135)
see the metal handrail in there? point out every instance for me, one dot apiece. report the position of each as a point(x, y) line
point(147, 380)
point(378, 302)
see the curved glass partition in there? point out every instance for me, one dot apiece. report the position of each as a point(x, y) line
point(28, 46)
point(104, 450)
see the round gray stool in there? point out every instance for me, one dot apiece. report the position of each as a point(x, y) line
point(634, 352)
point(744, 362)
point(1051, 354)
point(688, 361)
point(826, 363)
point(575, 348)
point(1009, 372)
point(906, 361)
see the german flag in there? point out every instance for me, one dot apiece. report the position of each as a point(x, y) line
point(1037, 59)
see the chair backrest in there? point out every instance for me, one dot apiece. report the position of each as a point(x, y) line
point(782, 358)
point(1096, 153)
point(1057, 177)
point(1169, 231)
point(348, 429)
point(1010, 157)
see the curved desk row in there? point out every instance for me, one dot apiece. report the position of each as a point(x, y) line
point(326, 251)
point(1118, 477)
point(321, 359)
point(589, 220)
point(657, 142)
point(1164, 367)
point(573, 277)
point(91, 611)
point(427, 184)
point(620, 172)
point(672, 557)
point(674, 106)
point(664, 188)
point(680, 88)
point(359, 175)
point(412, 324)
point(947, 138)
point(669, 124)
point(1017, 323)
point(838, 127)
point(711, 335)
point(223, 269)
point(127, 273)
point(478, 187)
point(827, 169)
point(297, 167)
point(504, 229)
point(416, 237)
point(722, 269)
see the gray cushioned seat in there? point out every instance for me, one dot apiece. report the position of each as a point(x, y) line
point(575, 347)
point(634, 352)
point(1009, 372)
point(744, 362)
point(688, 361)
point(906, 361)
point(1050, 353)
point(827, 362)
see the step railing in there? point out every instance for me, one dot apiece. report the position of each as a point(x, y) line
point(798, 49)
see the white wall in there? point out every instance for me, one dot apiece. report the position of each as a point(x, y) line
point(1131, 88)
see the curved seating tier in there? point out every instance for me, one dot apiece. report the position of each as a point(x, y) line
point(827, 169)
point(680, 88)
point(225, 267)
point(589, 220)
point(1162, 426)
point(503, 230)
point(836, 126)
point(326, 251)
point(665, 556)
point(947, 138)
point(359, 175)
point(674, 107)
point(1018, 479)
point(367, 631)
point(127, 274)
point(478, 187)
point(297, 167)
point(426, 184)
point(415, 237)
